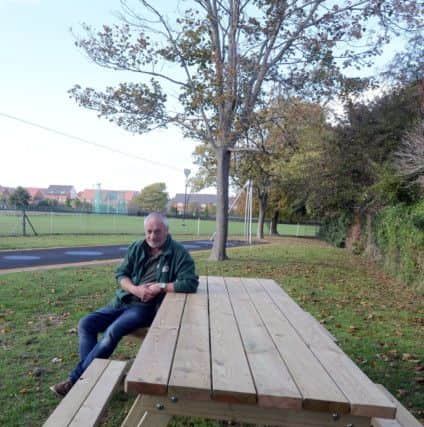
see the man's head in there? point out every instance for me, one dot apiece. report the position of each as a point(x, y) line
point(155, 230)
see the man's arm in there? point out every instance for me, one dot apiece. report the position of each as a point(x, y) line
point(127, 284)
point(186, 279)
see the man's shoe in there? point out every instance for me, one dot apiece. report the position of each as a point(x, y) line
point(61, 389)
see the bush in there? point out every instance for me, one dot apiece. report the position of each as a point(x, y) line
point(334, 230)
point(399, 234)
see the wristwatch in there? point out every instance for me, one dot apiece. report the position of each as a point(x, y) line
point(162, 285)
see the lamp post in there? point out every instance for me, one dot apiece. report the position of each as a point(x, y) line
point(186, 173)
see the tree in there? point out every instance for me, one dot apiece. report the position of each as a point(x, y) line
point(226, 58)
point(19, 198)
point(409, 158)
point(152, 198)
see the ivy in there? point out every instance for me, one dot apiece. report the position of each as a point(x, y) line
point(399, 234)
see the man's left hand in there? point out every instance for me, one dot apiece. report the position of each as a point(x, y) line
point(152, 289)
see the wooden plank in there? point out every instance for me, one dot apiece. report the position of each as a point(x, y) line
point(323, 328)
point(251, 414)
point(231, 377)
point(274, 384)
point(403, 416)
point(154, 420)
point(319, 391)
point(190, 374)
point(92, 408)
point(135, 413)
point(65, 411)
point(363, 395)
point(151, 368)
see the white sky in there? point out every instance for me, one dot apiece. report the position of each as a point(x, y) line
point(38, 65)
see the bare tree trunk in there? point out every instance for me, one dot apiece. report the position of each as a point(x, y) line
point(263, 200)
point(223, 157)
point(274, 222)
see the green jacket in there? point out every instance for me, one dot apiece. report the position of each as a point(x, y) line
point(175, 265)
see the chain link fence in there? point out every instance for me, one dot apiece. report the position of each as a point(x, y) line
point(19, 223)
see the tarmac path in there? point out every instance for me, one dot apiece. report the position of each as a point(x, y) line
point(34, 259)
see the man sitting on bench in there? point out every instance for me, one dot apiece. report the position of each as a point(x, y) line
point(151, 267)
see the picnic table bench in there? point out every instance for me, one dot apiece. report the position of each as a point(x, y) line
point(242, 350)
point(87, 400)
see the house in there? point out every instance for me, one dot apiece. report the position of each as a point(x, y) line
point(106, 201)
point(4, 195)
point(61, 193)
point(36, 193)
point(194, 201)
point(5, 191)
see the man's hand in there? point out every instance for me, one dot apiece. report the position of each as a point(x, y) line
point(151, 290)
point(140, 292)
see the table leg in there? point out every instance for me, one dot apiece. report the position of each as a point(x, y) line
point(139, 417)
point(154, 420)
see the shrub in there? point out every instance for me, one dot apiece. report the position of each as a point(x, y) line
point(399, 234)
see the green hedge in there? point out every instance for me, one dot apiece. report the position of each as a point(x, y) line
point(399, 235)
point(334, 230)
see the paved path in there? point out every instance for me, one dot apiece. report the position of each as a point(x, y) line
point(27, 259)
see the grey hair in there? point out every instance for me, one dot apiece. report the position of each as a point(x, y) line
point(158, 217)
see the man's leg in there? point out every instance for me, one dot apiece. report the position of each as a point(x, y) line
point(92, 324)
point(131, 317)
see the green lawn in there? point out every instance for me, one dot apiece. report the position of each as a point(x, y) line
point(378, 321)
point(94, 224)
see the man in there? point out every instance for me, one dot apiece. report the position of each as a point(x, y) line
point(151, 267)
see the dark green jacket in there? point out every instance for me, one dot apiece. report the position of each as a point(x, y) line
point(175, 265)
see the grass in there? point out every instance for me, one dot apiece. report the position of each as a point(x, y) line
point(94, 224)
point(377, 320)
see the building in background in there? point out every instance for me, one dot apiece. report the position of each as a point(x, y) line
point(37, 194)
point(108, 201)
point(195, 204)
point(61, 193)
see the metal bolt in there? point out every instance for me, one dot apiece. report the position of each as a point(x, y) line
point(336, 416)
point(174, 399)
point(160, 406)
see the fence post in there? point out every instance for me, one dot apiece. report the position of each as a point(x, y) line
point(23, 223)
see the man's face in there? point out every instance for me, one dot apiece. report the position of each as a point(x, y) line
point(156, 233)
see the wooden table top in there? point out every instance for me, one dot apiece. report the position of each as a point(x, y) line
point(245, 341)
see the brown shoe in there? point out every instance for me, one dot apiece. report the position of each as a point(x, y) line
point(61, 389)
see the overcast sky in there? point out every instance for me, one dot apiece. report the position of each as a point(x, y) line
point(39, 64)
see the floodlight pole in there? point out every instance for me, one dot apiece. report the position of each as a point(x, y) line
point(186, 173)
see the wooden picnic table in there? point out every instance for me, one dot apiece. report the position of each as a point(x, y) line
point(241, 349)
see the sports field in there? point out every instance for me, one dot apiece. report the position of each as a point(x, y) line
point(11, 224)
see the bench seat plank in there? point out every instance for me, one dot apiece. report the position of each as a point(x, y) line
point(274, 384)
point(151, 369)
point(190, 374)
point(105, 372)
point(231, 378)
point(101, 393)
point(363, 395)
point(322, 394)
point(67, 408)
point(403, 417)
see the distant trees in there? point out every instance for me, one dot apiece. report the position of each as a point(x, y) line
point(151, 198)
point(19, 198)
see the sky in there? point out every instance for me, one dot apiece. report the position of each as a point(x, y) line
point(39, 63)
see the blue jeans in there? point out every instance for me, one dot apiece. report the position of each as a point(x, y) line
point(114, 323)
